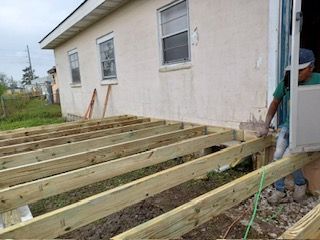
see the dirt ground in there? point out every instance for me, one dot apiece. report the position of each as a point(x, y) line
point(269, 223)
point(161, 203)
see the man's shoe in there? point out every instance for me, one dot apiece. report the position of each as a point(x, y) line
point(299, 193)
point(277, 197)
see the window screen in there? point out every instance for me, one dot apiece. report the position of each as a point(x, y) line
point(75, 69)
point(108, 64)
point(175, 33)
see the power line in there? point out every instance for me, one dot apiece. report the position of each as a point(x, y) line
point(31, 70)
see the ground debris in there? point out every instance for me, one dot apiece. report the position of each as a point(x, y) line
point(274, 220)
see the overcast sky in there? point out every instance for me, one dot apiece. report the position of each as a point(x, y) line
point(26, 22)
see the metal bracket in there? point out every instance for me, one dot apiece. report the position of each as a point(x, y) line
point(299, 17)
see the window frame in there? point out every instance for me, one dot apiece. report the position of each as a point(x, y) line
point(71, 52)
point(161, 37)
point(99, 41)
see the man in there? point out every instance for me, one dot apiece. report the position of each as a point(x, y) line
point(306, 77)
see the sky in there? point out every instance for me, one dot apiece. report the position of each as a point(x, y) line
point(26, 22)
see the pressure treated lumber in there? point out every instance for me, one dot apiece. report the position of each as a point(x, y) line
point(24, 147)
point(237, 134)
point(102, 138)
point(61, 133)
point(29, 172)
point(57, 127)
point(89, 111)
point(307, 227)
point(64, 133)
point(105, 105)
point(183, 219)
point(16, 196)
point(66, 219)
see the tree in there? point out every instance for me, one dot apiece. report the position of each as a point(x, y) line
point(3, 89)
point(12, 84)
point(28, 76)
point(3, 83)
point(3, 78)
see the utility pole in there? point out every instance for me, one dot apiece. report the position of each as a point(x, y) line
point(31, 70)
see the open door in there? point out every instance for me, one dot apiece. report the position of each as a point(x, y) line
point(284, 53)
point(305, 100)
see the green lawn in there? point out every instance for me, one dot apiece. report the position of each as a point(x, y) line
point(36, 112)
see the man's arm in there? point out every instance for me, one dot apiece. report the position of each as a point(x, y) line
point(270, 114)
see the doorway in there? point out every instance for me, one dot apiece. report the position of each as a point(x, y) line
point(310, 35)
point(309, 38)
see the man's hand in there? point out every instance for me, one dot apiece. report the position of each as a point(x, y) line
point(263, 131)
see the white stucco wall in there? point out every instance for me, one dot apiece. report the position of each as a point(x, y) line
point(226, 84)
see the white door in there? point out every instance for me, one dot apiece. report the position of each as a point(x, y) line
point(305, 100)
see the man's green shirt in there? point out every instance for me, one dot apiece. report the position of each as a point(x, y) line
point(281, 91)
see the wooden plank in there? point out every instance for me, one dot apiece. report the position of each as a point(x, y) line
point(106, 100)
point(67, 219)
point(259, 160)
point(13, 197)
point(55, 127)
point(89, 111)
point(29, 172)
point(94, 140)
point(183, 219)
point(61, 133)
point(24, 147)
point(238, 134)
point(307, 227)
point(60, 126)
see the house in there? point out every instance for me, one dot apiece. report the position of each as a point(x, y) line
point(17, 89)
point(54, 84)
point(213, 62)
point(39, 86)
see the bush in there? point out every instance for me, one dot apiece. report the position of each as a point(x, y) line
point(31, 112)
point(3, 89)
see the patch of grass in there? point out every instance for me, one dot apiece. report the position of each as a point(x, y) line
point(221, 178)
point(34, 113)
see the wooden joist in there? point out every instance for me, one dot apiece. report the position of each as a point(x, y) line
point(57, 127)
point(29, 172)
point(16, 196)
point(104, 138)
point(66, 219)
point(306, 228)
point(29, 146)
point(237, 134)
point(61, 133)
point(201, 209)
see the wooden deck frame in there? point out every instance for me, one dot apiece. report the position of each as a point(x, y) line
point(30, 146)
point(102, 138)
point(183, 219)
point(33, 171)
point(19, 195)
point(90, 209)
point(20, 132)
point(124, 149)
point(64, 132)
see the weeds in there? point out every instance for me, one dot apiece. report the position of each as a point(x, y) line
point(31, 113)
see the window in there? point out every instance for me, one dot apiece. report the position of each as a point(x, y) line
point(74, 65)
point(174, 33)
point(107, 56)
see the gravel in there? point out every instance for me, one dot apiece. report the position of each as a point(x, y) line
point(281, 216)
